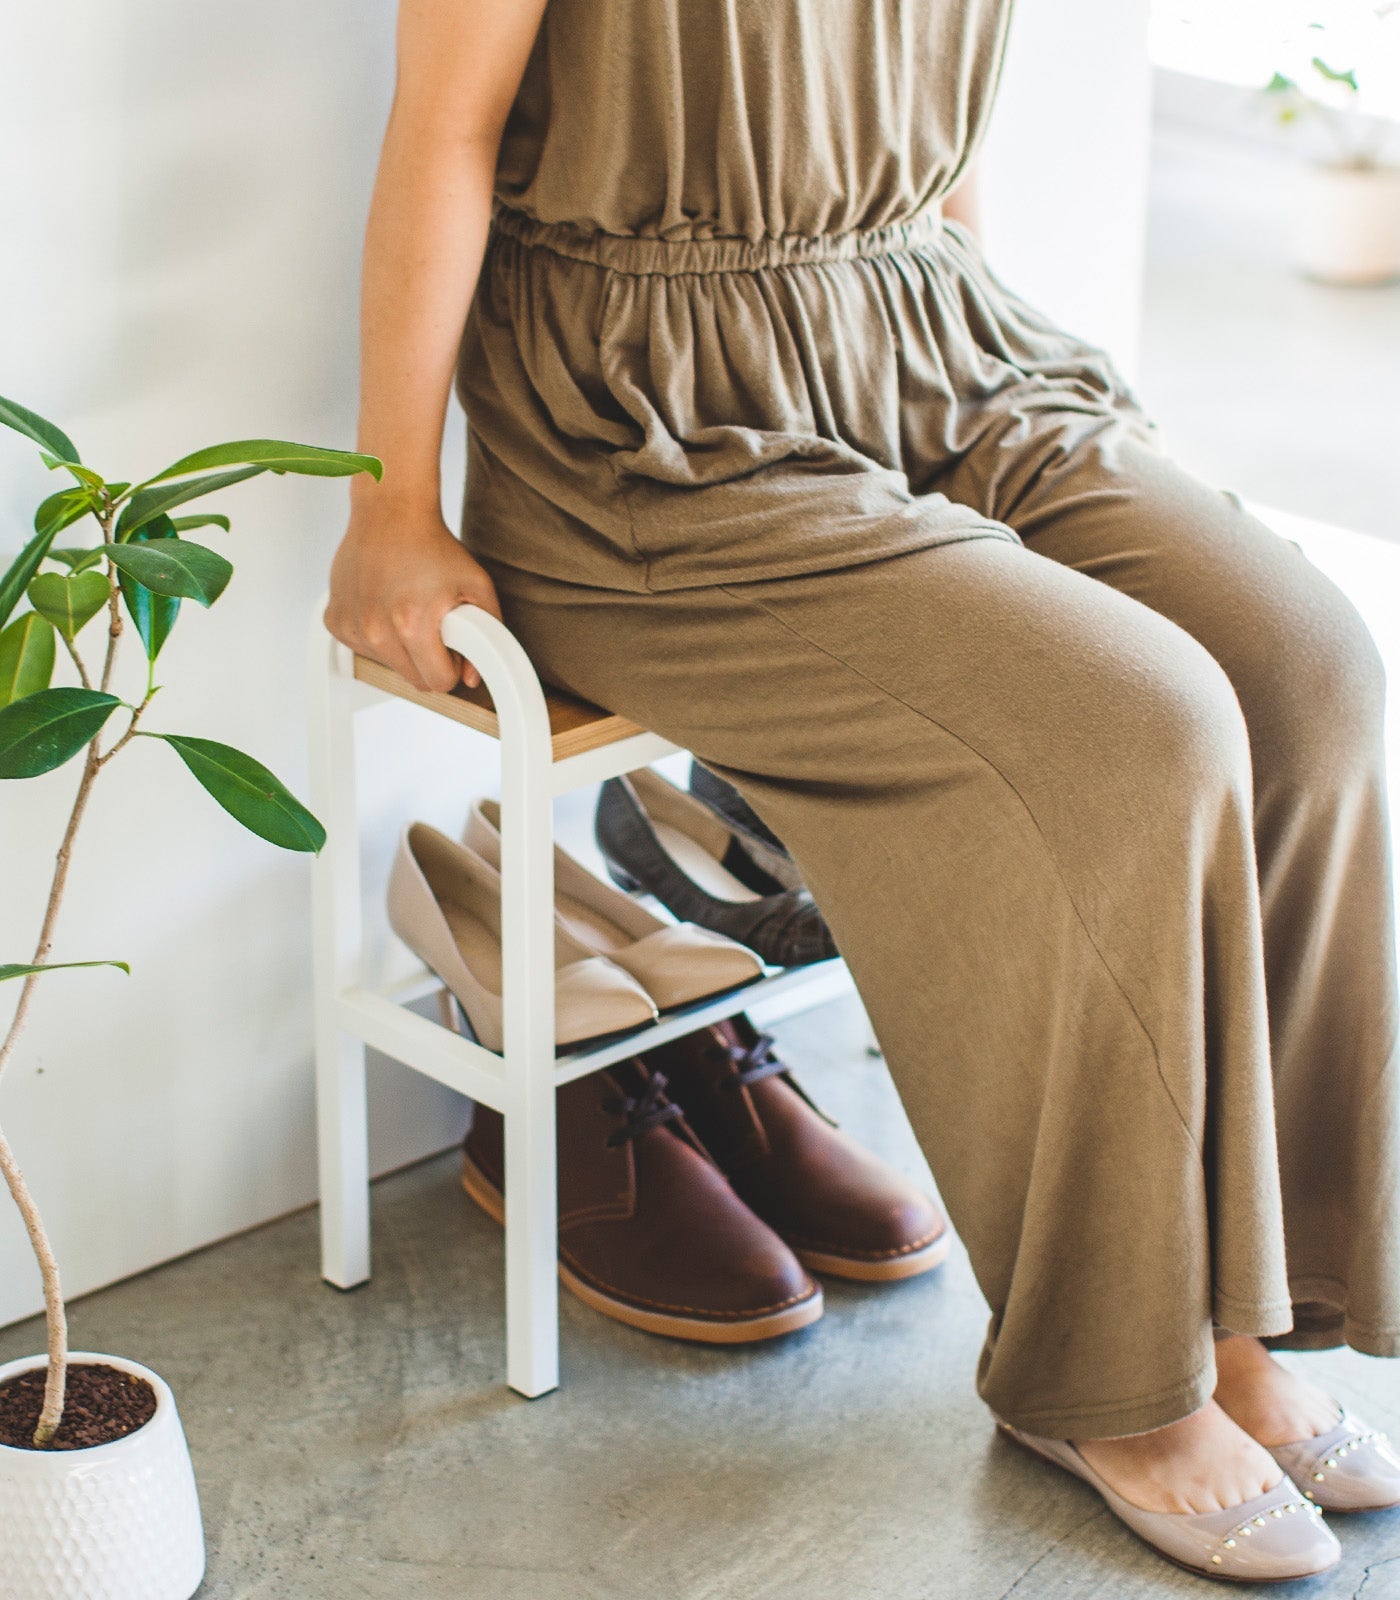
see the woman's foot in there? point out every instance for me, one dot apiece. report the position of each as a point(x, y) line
point(1205, 1462)
point(1269, 1402)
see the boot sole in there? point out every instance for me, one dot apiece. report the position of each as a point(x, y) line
point(700, 1330)
point(887, 1269)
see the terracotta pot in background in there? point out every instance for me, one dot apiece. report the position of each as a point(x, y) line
point(1347, 224)
point(117, 1521)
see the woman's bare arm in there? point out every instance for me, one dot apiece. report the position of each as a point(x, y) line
point(964, 204)
point(399, 569)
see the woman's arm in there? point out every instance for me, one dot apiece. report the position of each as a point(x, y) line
point(399, 569)
point(964, 204)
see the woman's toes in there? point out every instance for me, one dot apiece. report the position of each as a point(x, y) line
point(1272, 1404)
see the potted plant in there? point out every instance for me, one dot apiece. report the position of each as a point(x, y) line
point(97, 1497)
point(1346, 226)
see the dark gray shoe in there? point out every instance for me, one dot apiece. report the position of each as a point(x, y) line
point(750, 830)
point(658, 839)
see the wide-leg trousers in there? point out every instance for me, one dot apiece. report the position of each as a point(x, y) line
point(1097, 817)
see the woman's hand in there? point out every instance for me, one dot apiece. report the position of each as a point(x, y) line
point(394, 578)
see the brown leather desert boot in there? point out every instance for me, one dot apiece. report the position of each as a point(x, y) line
point(842, 1209)
point(650, 1231)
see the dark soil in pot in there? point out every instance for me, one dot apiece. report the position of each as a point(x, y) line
point(103, 1403)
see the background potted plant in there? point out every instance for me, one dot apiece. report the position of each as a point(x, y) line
point(1346, 226)
point(102, 1501)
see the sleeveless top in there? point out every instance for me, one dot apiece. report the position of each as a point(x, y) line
point(722, 330)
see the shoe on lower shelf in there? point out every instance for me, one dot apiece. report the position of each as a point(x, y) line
point(1275, 1537)
point(445, 904)
point(650, 1232)
point(845, 1212)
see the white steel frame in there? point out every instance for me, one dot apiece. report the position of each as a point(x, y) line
point(521, 1082)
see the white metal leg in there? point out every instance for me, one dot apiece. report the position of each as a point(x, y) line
point(342, 1120)
point(527, 945)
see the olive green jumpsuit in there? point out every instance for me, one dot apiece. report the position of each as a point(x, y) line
point(1082, 762)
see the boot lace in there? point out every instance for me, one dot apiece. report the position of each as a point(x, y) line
point(753, 1062)
point(642, 1112)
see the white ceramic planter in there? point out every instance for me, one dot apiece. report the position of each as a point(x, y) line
point(1347, 224)
point(119, 1521)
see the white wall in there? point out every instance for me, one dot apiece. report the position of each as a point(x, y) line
point(182, 194)
point(1066, 166)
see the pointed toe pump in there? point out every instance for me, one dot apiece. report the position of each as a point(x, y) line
point(1275, 1537)
point(445, 904)
point(676, 963)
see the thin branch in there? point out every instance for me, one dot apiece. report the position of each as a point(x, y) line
point(55, 1317)
point(114, 625)
point(77, 660)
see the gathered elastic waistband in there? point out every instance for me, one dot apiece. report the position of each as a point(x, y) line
point(636, 253)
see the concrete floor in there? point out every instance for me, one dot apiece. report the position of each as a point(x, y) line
point(364, 1445)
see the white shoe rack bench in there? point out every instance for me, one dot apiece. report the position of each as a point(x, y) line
point(550, 744)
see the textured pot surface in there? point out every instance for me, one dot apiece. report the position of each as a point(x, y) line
point(1347, 224)
point(119, 1521)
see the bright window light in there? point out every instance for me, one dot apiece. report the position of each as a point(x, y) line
point(1248, 41)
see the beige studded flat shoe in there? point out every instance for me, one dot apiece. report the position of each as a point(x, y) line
point(676, 963)
point(1349, 1468)
point(1275, 1537)
point(445, 904)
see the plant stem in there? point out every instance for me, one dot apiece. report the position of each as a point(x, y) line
point(114, 626)
point(55, 1318)
point(77, 661)
point(56, 1377)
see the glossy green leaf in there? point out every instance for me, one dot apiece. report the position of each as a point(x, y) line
point(208, 519)
point(12, 969)
point(149, 503)
point(40, 430)
point(22, 569)
point(78, 560)
point(63, 509)
point(249, 792)
point(174, 567)
point(44, 730)
point(276, 455)
point(27, 651)
point(69, 601)
point(153, 614)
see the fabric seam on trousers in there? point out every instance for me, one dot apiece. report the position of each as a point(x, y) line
point(637, 550)
point(1040, 834)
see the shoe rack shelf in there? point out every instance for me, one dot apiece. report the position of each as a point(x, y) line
point(550, 743)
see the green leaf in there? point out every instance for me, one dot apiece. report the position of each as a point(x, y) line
point(69, 602)
point(276, 455)
point(13, 970)
point(33, 426)
point(63, 509)
point(209, 519)
point(27, 651)
point(22, 569)
point(78, 560)
point(149, 503)
point(44, 730)
point(154, 614)
point(248, 792)
point(1279, 84)
point(174, 567)
point(1333, 76)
